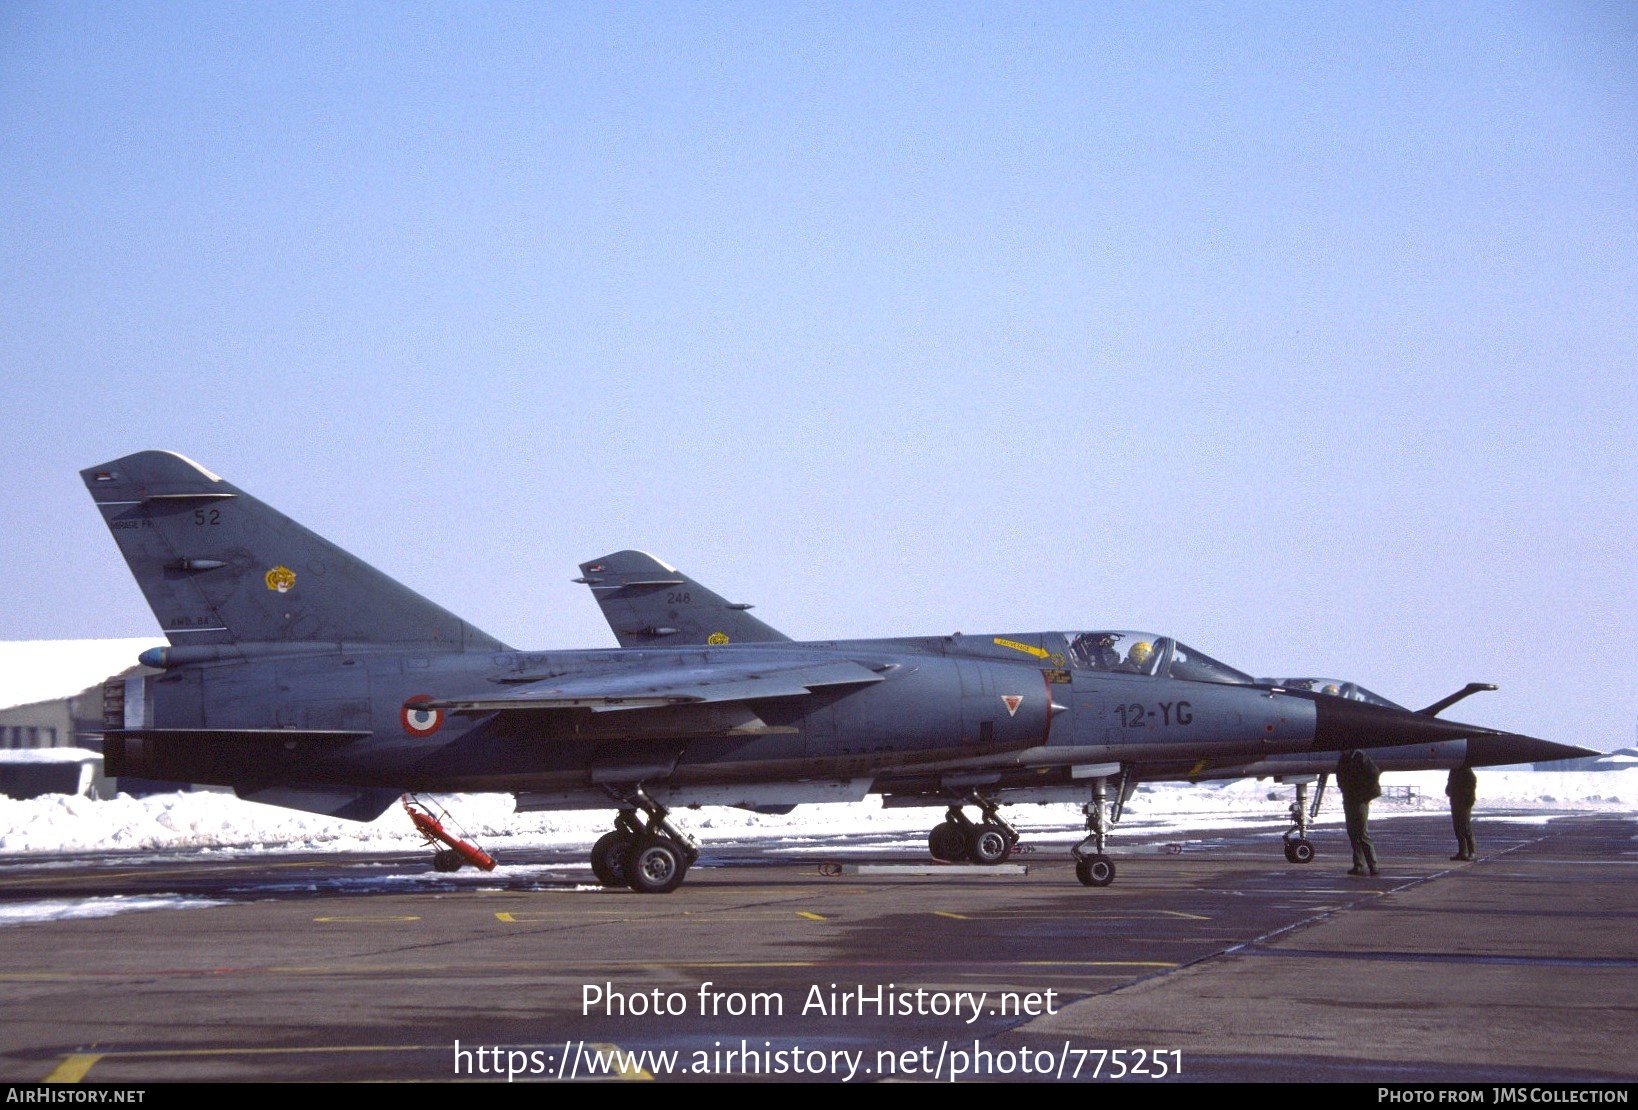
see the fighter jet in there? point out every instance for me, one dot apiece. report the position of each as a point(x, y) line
point(647, 601)
point(300, 676)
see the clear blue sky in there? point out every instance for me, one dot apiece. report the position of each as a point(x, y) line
point(1305, 333)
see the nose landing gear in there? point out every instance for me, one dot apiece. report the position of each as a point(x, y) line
point(1298, 848)
point(1092, 866)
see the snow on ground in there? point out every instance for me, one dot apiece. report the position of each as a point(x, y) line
point(221, 822)
point(67, 909)
point(48, 755)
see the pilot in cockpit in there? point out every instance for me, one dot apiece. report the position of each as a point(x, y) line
point(1096, 650)
point(1103, 654)
point(1137, 660)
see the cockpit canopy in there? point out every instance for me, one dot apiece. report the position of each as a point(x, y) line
point(1148, 654)
point(1145, 653)
point(1332, 687)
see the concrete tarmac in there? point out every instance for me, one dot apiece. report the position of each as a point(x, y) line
point(1207, 960)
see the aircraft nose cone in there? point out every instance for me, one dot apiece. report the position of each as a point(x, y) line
point(1340, 723)
point(1509, 747)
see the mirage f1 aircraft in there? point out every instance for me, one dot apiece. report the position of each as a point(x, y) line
point(302, 677)
point(647, 602)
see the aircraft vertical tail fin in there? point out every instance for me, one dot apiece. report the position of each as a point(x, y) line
point(648, 602)
point(220, 567)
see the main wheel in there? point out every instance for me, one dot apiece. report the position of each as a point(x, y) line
point(608, 857)
point(1300, 851)
point(655, 866)
point(947, 842)
point(989, 844)
point(1095, 871)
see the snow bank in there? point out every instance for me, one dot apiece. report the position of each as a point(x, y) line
point(209, 821)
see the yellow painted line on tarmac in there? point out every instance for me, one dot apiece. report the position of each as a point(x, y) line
point(811, 916)
point(1185, 916)
point(366, 918)
point(952, 916)
point(73, 1068)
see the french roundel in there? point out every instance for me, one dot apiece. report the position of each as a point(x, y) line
point(418, 721)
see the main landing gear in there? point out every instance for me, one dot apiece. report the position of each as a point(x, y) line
point(1298, 848)
point(1092, 866)
point(650, 858)
point(959, 838)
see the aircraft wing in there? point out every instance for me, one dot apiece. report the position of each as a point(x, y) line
point(647, 688)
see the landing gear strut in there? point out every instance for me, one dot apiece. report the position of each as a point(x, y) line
point(1093, 867)
point(986, 842)
point(1298, 848)
point(651, 857)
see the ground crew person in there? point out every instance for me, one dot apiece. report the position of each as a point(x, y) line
point(1360, 783)
point(1463, 790)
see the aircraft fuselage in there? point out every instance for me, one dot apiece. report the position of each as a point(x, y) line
point(941, 702)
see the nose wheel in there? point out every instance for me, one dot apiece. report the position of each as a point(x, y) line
point(1092, 866)
point(1299, 851)
point(1298, 848)
point(1095, 870)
